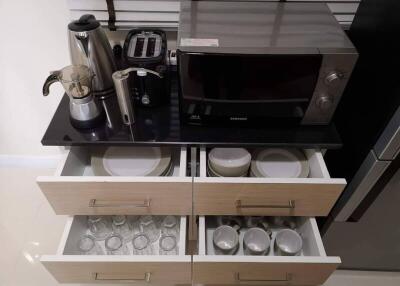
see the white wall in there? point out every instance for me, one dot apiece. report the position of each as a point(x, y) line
point(33, 42)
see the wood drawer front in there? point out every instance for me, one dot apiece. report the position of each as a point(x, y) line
point(312, 269)
point(71, 191)
point(311, 272)
point(142, 272)
point(67, 267)
point(313, 196)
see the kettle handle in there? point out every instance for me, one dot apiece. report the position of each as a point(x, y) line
point(52, 78)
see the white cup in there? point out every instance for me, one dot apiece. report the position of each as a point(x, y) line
point(256, 241)
point(288, 242)
point(225, 240)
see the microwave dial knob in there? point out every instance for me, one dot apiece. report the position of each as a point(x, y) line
point(333, 77)
point(325, 102)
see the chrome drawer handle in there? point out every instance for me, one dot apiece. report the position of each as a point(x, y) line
point(93, 203)
point(98, 277)
point(239, 204)
point(287, 278)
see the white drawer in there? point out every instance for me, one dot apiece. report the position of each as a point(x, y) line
point(74, 190)
point(68, 267)
point(313, 267)
point(312, 196)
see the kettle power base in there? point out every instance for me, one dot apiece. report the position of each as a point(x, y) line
point(88, 124)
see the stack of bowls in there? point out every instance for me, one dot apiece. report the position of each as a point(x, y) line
point(228, 162)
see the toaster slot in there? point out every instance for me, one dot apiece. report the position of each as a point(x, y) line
point(139, 47)
point(151, 44)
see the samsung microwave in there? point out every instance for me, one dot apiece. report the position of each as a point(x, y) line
point(261, 62)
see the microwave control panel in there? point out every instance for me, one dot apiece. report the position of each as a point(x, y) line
point(334, 74)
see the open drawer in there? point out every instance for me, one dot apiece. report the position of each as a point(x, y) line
point(69, 267)
point(311, 267)
point(74, 190)
point(312, 196)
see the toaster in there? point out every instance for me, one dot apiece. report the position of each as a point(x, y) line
point(147, 48)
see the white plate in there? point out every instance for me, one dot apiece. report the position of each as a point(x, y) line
point(169, 171)
point(280, 163)
point(131, 161)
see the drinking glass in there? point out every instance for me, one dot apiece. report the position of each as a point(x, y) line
point(170, 226)
point(134, 222)
point(115, 245)
point(121, 226)
point(149, 227)
point(99, 227)
point(142, 245)
point(87, 245)
point(168, 245)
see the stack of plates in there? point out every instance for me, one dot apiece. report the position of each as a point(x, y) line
point(279, 163)
point(228, 162)
point(132, 161)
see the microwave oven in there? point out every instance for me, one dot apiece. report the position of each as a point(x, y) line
point(261, 62)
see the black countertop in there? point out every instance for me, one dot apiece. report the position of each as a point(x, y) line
point(161, 126)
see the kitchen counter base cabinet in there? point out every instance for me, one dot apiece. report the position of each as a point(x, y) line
point(74, 190)
point(312, 267)
point(68, 267)
point(312, 196)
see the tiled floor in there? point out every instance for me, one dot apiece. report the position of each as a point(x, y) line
point(29, 228)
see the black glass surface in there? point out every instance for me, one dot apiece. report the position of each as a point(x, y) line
point(161, 126)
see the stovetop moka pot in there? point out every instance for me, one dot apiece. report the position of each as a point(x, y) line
point(85, 112)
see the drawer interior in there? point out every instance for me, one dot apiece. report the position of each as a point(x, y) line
point(67, 266)
point(306, 227)
point(311, 267)
point(315, 159)
point(77, 226)
point(78, 162)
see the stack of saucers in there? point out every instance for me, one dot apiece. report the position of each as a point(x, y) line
point(279, 163)
point(132, 161)
point(228, 162)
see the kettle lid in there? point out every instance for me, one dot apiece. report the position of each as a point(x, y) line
point(86, 22)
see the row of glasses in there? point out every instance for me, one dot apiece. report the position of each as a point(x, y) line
point(142, 231)
point(114, 244)
point(169, 236)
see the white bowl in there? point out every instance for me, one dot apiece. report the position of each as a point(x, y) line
point(229, 162)
point(213, 173)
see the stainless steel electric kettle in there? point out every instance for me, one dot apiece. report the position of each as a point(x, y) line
point(89, 46)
